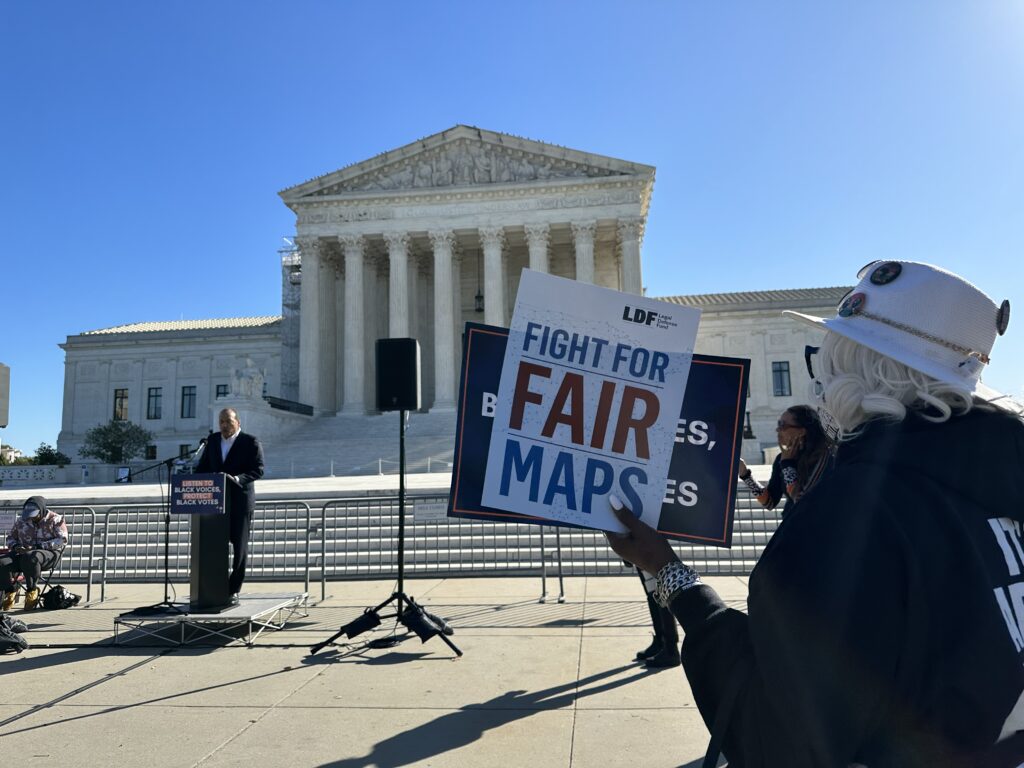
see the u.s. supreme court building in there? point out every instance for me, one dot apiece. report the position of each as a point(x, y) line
point(413, 242)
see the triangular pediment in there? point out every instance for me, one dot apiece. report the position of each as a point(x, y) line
point(464, 156)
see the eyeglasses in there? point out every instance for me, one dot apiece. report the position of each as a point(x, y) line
point(780, 424)
point(810, 352)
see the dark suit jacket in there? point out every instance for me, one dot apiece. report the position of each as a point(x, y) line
point(244, 461)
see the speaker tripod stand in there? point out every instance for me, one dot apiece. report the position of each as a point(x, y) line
point(408, 612)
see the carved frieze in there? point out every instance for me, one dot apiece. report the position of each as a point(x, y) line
point(463, 163)
point(336, 213)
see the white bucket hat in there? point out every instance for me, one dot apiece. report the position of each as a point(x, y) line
point(923, 316)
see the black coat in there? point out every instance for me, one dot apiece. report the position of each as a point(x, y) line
point(244, 461)
point(880, 627)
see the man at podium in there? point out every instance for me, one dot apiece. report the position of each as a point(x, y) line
point(239, 456)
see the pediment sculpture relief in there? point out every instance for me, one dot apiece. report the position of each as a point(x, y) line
point(464, 163)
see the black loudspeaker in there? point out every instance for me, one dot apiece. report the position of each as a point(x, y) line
point(398, 375)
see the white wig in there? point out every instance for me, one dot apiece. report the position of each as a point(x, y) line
point(861, 384)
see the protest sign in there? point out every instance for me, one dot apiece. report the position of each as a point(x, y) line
point(699, 496)
point(198, 494)
point(590, 391)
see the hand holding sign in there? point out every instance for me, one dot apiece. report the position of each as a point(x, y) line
point(640, 545)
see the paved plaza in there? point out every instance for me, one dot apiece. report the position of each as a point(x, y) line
point(539, 685)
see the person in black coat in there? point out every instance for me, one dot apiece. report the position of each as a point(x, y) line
point(884, 624)
point(240, 456)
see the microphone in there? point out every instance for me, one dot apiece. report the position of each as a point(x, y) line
point(202, 444)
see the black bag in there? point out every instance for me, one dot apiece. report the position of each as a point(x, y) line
point(59, 597)
point(11, 641)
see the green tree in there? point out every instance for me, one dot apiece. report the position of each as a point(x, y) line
point(47, 455)
point(115, 442)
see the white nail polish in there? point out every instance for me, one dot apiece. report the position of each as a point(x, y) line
point(615, 502)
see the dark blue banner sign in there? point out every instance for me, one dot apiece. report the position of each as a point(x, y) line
point(700, 493)
point(199, 494)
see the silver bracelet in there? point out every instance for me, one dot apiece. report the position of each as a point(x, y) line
point(673, 579)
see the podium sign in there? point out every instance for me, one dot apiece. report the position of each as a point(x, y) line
point(198, 494)
point(203, 498)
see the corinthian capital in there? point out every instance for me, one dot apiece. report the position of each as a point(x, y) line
point(443, 239)
point(308, 246)
point(584, 231)
point(631, 228)
point(492, 236)
point(398, 242)
point(352, 245)
point(537, 235)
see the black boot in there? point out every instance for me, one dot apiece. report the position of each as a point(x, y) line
point(656, 644)
point(668, 634)
point(668, 656)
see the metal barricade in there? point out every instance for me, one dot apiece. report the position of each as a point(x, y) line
point(134, 538)
point(356, 538)
point(581, 552)
point(360, 540)
point(134, 534)
point(280, 541)
point(77, 562)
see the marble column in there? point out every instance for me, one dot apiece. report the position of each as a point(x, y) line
point(444, 348)
point(67, 421)
point(398, 284)
point(583, 237)
point(630, 231)
point(354, 247)
point(458, 324)
point(537, 240)
point(338, 333)
point(309, 322)
point(328, 305)
point(493, 238)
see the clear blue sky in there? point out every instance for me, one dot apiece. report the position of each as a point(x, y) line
point(794, 142)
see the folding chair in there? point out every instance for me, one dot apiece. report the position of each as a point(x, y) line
point(43, 585)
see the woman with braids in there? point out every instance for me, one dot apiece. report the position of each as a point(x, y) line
point(806, 456)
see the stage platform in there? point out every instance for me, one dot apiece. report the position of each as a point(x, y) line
point(239, 624)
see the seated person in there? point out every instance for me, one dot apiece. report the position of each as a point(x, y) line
point(34, 544)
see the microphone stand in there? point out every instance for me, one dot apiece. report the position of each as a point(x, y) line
point(166, 605)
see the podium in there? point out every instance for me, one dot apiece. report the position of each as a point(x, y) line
point(204, 499)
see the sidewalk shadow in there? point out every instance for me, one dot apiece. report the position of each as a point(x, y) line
point(466, 725)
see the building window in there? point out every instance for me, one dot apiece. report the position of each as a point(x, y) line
point(184, 449)
point(748, 428)
point(155, 403)
point(780, 379)
point(120, 405)
point(150, 453)
point(222, 391)
point(188, 402)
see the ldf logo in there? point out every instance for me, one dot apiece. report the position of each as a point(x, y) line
point(639, 315)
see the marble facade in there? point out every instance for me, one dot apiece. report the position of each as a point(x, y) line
point(416, 242)
point(419, 240)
